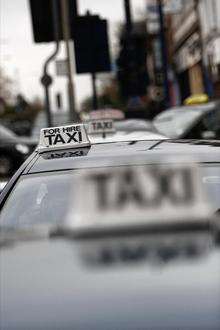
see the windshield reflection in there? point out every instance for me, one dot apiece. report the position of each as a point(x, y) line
point(157, 250)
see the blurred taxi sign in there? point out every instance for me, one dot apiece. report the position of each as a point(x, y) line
point(113, 114)
point(71, 136)
point(61, 68)
point(133, 196)
point(103, 126)
point(197, 99)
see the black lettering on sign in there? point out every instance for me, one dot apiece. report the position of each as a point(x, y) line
point(80, 136)
point(76, 154)
point(184, 194)
point(154, 197)
point(50, 140)
point(129, 190)
point(58, 138)
point(181, 193)
point(108, 125)
point(131, 254)
point(101, 181)
point(152, 189)
point(53, 156)
point(94, 126)
point(67, 129)
point(173, 185)
point(66, 154)
point(51, 131)
point(99, 126)
point(72, 137)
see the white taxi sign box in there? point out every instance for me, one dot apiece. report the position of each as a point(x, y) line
point(114, 114)
point(103, 126)
point(71, 136)
point(137, 196)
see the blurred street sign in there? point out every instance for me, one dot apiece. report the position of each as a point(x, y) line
point(61, 68)
point(46, 80)
point(42, 19)
point(91, 45)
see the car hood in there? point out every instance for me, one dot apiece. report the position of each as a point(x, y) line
point(110, 284)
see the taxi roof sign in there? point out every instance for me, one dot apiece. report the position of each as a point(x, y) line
point(102, 126)
point(114, 114)
point(62, 137)
point(145, 196)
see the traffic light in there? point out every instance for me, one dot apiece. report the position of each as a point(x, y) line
point(91, 45)
point(42, 19)
point(132, 71)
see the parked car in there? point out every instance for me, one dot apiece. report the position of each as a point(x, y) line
point(13, 151)
point(190, 122)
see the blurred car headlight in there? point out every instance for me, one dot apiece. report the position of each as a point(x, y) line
point(22, 148)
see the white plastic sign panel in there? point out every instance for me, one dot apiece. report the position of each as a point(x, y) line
point(133, 196)
point(72, 136)
point(107, 114)
point(101, 126)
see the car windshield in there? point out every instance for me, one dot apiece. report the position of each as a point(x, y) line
point(44, 198)
point(174, 123)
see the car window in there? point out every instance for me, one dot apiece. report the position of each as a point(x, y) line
point(211, 121)
point(44, 199)
point(174, 123)
point(37, 199)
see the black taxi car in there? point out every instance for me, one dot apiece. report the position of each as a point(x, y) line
point(111, 235)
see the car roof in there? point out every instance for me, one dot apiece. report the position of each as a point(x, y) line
point(203, 108)
point(123, 153)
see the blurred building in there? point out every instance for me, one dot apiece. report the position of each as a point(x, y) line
point(154, 54)
point(187, 49)
point(209, 11)
point(192, 30)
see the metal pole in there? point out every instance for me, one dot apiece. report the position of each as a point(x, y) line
point(164, 52)
point(128, 17)
point(46, 79)
point(95, 98)
point(66, 36)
